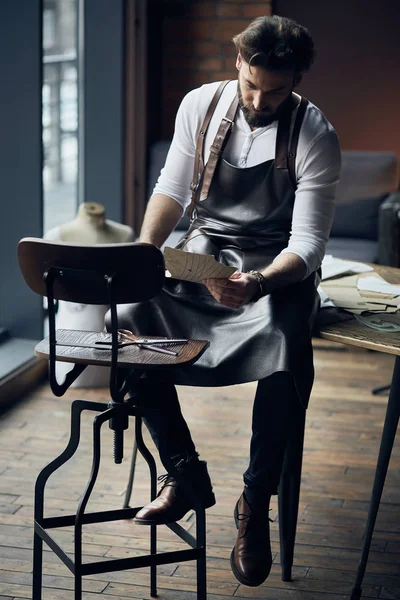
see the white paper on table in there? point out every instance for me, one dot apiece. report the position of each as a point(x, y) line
point(335, 266)
point(379, 297)
point(377, 284)
point(191, 266)
point(345, 297)
point(375, 307)
point(346, 281)
point(349, 298)
point(373, 300)
point(326, 302)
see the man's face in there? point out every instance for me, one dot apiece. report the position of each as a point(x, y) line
point(262, 93)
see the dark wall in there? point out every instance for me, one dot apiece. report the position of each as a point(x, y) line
point(356, 77)
point(196, 48)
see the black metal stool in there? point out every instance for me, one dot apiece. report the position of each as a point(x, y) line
point(105, 274)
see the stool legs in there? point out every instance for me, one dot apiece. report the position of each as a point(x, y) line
point(289, 492)
point(81, 517)
point(77, 407)
point(97, 423)
point(37, 567)
point(144, 451)
point(200, 541)
point(128, 492)
point(201, 561)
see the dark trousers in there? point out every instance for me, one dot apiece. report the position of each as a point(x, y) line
point(276, 405)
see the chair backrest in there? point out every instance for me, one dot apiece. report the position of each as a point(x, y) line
point(138, 270)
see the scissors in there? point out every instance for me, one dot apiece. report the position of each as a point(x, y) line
point(129, 339)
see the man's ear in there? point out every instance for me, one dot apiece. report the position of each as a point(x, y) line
point(238, 62)
point(297, 80)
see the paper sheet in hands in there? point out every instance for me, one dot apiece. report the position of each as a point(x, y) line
point(191, 266)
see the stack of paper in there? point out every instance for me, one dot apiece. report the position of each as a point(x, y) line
point(361, 293)
point(331, 267)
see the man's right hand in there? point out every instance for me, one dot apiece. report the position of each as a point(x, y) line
point(234, 292)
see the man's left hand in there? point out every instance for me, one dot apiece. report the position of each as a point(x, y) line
point(239, 289)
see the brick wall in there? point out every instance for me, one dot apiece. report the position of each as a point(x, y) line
point(197, 46)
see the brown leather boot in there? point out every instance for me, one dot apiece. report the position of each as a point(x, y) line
point(251, 557)
point(172, 503)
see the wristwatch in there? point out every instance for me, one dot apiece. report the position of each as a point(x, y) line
point(262, 283)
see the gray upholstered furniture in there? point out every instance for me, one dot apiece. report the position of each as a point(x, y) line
point(366, 225)
point(366, 221)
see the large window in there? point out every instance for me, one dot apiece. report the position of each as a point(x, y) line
point(60, 111)
point(43, 160)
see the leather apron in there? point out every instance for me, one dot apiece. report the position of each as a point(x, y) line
point(245, 222)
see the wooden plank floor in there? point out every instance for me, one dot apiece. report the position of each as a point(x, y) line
point(343, 431)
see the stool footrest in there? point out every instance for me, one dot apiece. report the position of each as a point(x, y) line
point(183, 534)
point(123, 563)
point(109, 515)
point(162, 558)
point(119, 564)
point(55, 547)
point(97, 517)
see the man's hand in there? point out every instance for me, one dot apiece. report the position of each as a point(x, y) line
point(239, 289)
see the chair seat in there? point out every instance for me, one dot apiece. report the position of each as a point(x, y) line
point(128, 356)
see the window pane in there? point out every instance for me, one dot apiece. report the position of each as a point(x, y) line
point(60, 111)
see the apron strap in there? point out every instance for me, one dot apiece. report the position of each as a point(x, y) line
point(285, 156)
point(198, 160)
point(294, 141)
point(217, 147)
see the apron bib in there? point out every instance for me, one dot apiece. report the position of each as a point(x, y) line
point(244, 222)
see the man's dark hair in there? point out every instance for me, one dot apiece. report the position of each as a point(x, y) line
point(276, 43)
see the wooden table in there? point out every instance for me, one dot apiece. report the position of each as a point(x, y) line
point(354, 333)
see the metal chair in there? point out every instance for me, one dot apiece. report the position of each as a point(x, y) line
point(105, 274)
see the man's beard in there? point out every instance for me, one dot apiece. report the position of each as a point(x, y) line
point(260, 118)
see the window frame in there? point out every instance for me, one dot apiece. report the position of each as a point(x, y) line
point(100, 39)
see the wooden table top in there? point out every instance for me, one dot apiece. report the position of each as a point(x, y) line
point(128, 356)
point(353, 333)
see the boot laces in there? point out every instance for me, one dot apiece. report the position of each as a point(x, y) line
point(167, 479)
point(251, 522)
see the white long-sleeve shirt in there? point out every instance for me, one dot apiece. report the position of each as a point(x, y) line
point(317, 164)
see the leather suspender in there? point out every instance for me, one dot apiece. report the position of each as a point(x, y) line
point(285, 156)
point(282, 139)
point(217, 147)
point(294, 141)
point(198, 159)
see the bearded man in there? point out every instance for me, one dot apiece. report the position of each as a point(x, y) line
point(266, 163)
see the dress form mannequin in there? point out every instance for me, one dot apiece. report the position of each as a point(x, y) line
point(89, 227)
